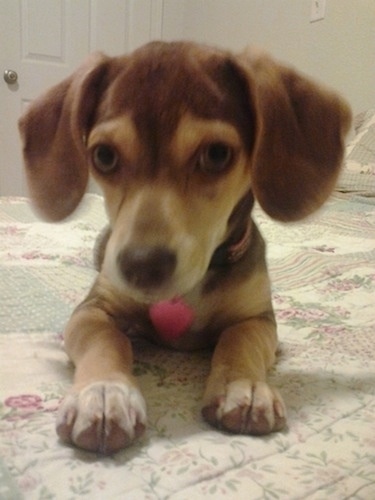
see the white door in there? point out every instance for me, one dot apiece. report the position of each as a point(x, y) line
point(43, 41)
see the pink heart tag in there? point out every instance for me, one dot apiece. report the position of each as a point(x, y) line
point(171, 318)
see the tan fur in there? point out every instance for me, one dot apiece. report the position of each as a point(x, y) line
point(160, 109)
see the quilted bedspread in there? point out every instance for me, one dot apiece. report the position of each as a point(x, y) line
point(323, 275)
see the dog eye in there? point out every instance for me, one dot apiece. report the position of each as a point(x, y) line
point(104, 158)
point(215, 158)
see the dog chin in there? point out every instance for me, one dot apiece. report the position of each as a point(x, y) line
point(154, 295)
point(149, 297)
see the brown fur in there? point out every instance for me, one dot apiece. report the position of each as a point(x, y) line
point(159, 109)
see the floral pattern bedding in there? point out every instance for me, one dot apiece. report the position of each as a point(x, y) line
point(323, 274)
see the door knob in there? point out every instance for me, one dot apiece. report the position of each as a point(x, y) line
point(10, 76)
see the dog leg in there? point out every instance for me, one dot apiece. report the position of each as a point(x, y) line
point(237, 397)
point(104, 411)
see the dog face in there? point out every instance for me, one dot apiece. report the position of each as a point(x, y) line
point(169, 215)
point(177, 135)
point(173, 169)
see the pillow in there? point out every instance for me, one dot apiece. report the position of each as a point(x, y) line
point(358, 174)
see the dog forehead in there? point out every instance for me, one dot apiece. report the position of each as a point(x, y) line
point(160, 82)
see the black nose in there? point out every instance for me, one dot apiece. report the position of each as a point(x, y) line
point(146, 266)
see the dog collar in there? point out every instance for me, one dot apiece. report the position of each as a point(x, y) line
point(229, 253)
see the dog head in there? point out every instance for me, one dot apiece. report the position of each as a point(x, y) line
point(180, 137)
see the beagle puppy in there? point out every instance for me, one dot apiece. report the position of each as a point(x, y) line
point(182, 138)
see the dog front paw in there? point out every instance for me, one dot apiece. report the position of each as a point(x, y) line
point(246, 408)
point(103, 416)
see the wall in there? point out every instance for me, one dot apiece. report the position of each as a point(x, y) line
point(339, 50)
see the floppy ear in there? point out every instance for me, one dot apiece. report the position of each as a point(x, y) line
point(52, 131)
point(299, 141)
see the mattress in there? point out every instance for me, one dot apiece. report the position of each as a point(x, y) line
point(323, 279)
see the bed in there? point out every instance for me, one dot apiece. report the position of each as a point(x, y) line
point(323, 275)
